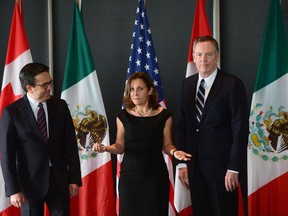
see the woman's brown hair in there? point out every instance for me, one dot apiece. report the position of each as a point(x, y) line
point(153, 98)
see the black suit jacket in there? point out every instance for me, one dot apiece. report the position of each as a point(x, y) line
point(219, 141)
point(21, 141)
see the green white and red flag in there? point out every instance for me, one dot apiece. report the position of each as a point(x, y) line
point(82, 92)
point(268, 138)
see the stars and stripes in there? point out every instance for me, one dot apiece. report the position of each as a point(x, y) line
point(143, 57)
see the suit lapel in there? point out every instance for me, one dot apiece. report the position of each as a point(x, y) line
point(192, 96)
point(51, 111)
point(28, 112)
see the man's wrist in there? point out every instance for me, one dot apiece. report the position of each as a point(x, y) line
point(233, 171)
point(181, 165)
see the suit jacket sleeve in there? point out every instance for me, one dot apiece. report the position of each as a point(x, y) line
point(8, 155)
point(239, 125)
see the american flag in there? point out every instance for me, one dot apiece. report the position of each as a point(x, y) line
point(143, 59)
point(143, 56)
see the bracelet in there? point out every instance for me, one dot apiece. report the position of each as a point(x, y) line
point(174, 152)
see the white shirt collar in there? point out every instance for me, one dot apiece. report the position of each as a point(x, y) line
point(208, 80)
point(34, 104)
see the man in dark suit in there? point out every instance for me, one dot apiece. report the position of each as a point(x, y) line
point(40, 159)
point(213, 127)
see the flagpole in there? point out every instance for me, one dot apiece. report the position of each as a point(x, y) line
point(216, 22)
point(50, 39)
point(79, 2)
point(19, 5)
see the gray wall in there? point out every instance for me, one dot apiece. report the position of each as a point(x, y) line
point(109, 26)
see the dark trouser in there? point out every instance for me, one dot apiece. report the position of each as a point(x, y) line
point(56, 200)
point(210, 198)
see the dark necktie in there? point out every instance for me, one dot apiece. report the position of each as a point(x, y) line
point(41, 119)
point(200, 100)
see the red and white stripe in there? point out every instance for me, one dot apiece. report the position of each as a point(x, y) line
point(18, 55)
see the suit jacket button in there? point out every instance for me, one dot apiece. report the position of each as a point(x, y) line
point(197, 130)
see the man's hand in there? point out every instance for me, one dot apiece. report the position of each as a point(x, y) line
point(183, 176)
point(17, 200)
point(231, 181)
point(73, 190)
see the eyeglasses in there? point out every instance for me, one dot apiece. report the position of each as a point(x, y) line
point(44, 85)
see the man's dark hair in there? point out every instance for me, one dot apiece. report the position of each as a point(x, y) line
point(28, 73)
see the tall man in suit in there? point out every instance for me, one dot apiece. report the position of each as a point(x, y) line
point(213, 127)
point(40, 161)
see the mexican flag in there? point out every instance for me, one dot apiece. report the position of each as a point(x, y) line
point(82, 92)
point(268, 138)
point(18, 55)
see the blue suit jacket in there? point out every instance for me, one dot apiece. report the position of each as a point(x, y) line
point(220, 140)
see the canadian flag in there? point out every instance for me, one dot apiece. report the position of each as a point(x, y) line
point(182, 199)
point(18, 55)
point(200, 28)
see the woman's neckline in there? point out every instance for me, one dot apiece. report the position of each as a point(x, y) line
point(138, 116)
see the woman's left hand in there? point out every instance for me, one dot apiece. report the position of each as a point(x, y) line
point(98, 147)
point(181, 155)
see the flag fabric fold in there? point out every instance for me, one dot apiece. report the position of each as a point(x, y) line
point(182, 198)
point(18, 55)
point(82, 92)
point(268, 140)
point(143, 59)
point(200, 28)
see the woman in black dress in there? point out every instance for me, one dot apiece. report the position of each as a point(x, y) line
point(144, 130)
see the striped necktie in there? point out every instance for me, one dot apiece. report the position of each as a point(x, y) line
point(200, 100)
point(41, 119)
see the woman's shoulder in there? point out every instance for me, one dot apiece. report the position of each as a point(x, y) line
point(121, 113)
point(163, 113)
point(166, 112)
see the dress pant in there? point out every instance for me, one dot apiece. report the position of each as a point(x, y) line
point(210, 198)
point(56, 200)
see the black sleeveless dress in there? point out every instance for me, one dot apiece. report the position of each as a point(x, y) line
point(144, 181)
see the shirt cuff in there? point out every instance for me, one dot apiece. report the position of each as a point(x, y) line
point(181, 165)
point(233, 171)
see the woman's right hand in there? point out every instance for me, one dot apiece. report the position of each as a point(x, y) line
point(98, 147)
